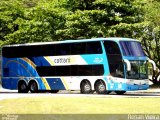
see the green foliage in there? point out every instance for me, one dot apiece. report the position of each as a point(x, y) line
point(99, 18)
point(27, 21)
point(34, 21)
point(9, 12)
point(149, 30)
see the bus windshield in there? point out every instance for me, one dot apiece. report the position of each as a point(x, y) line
point(138, 70)
point(132, 48)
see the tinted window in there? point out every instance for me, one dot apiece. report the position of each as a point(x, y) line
point(131, 48)
point(113, 53)
point(29, 51)
point(86, 48)
point(63, 49)
point(112, 48)
point(53, 50)
point(78, 48)
point(93, 47)
point(117, 69)
point(71, 70)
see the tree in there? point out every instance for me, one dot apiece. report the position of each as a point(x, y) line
point(151, 36)
point(9, 12)
point(69, 19)
point(29, 21)
point(99, 18)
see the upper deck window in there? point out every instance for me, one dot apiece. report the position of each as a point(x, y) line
point(112, 48)
point(132, 48)
point(77, 48)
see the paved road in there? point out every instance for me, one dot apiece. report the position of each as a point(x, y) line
point(7, 94)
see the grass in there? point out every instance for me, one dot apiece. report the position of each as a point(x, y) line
point(80, 105)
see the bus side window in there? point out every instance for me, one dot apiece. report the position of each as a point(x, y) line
point(93, 48)
point(63, 49)
point(112, 48)
point(78, 48)
point(47, 50)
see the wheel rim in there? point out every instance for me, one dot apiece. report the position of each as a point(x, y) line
point(87, 87)
point(23, 87)
point(33, 86)
point(101, 87)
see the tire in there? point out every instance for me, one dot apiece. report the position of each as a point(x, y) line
point(120, 92)
point(22, 87)
point(100, 88)
point(86, 87)
point(33, 87)
point(54, 91)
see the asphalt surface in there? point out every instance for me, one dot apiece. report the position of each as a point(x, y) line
point(7, 94)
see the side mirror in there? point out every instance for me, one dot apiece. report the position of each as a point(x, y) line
point(153, 64)
point(128, 64)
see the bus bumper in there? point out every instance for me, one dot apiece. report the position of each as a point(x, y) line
point(128, 87)
point(136, 87)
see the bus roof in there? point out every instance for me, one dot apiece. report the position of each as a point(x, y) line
point(74, 41)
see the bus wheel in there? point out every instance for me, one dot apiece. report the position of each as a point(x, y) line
point(54, 91)
point(120, 92)
point(22, 87)
point(100, 87)
point(33, 87)
point(86, 87)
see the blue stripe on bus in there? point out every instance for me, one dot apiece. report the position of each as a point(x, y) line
point(40, 61)
point(26, 70)
point(134, 58)
point(55, 83)
point(10, 83)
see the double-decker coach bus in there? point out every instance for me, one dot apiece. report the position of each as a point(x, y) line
point(101, 64)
